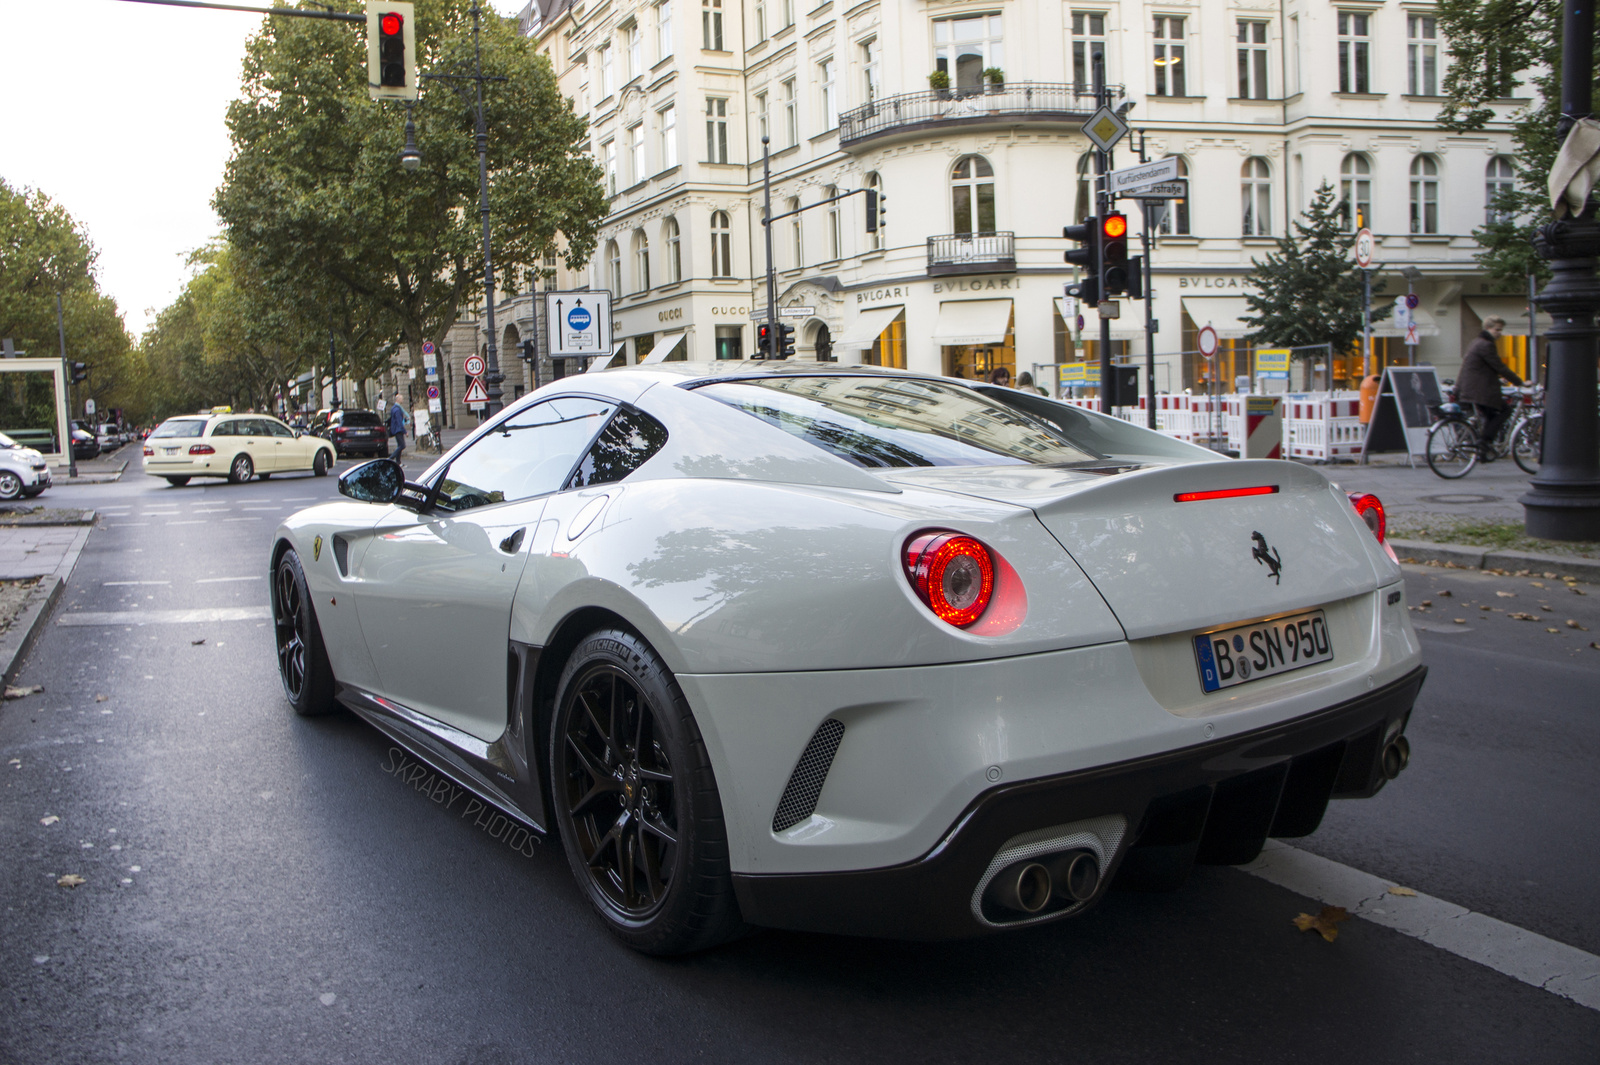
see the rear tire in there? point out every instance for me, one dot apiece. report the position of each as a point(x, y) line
point(302, 659)
point(177, 482)
point(241, 470)
point(1527, 444)
point(1452, 449)
point(636, 800)
point(319, 465)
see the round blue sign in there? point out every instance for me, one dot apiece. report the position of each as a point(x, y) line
point(1411, 300)
point(579, 318)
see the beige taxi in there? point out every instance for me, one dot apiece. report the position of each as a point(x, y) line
point(235, 446)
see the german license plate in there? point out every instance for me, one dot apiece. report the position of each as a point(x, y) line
point(170, 450)
point(1265, 649)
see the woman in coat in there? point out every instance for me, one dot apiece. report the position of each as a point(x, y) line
point(1479, 382)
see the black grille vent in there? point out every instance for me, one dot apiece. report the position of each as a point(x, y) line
point(805, 783)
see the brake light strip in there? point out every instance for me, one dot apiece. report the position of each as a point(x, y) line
point(1225, 493)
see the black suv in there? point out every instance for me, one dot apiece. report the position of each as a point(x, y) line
point(356, 432)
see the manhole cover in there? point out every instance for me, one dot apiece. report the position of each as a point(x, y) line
point(1460, 498)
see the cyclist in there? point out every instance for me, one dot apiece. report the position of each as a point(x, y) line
point(1479, 384)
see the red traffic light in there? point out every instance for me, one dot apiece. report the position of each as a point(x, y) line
point(1115, 225)
point(390, 24)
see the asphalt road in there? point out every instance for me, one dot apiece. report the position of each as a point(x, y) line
point(261, 888)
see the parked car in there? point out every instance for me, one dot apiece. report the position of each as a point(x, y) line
point(24, 473)
point(235, 446)
point(84, 444)
point(109, 437)
point(856, 650)
point(356, 432)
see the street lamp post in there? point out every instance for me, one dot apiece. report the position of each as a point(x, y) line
point(1564, 502)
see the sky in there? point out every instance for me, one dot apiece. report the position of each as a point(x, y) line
point(115, 111)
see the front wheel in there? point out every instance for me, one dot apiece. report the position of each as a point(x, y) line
point(1452, 449)
point(241, 470)
point(10, 485)
point(636, 799)
point(319, 465)
point(1527, 445)
point(302, 659)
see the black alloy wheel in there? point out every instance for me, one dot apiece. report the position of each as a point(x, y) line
point(319, 465)
point(636, 800)
point(242, 469)
point(302, 659)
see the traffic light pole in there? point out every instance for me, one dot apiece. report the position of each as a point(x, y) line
point(1102, 167)
point(766, 223)
point(66, 382)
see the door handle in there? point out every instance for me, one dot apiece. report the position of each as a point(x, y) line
point(510, 544)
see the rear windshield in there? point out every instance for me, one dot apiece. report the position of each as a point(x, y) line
point(891, 421)
point(181, 427)
point(359, 417)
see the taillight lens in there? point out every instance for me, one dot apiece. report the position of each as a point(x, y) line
point(1371, 510)
point(202, 449)
point(149, 451)
point(952, 573)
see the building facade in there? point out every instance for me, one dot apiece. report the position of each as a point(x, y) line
point(967, 117)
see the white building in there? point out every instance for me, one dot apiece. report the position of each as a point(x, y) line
point(1259, 100)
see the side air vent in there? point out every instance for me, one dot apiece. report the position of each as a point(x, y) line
point(805, 783)
point(341, 555)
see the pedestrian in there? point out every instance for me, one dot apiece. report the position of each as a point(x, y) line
point(397, 425)
point(1025, 383)
point(1000, 375)
point(1479, 383)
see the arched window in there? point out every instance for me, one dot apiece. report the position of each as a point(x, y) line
point(614, 268)
point(674, 251)
point(1498, 178)
point(1424, 195)
point(721, 245)
point(972, 195)
point(1176, 222)
point(797, 250)
point(835, 235)
point(1255, 188)
point(1082, 206)
point(1355, 192)
point(641, 261)
point(875, 239)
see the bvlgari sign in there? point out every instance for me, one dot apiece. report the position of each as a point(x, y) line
point(898, 293)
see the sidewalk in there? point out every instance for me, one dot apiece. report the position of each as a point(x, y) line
point(104, 469)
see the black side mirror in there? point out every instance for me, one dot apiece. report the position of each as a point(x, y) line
point(378, 481)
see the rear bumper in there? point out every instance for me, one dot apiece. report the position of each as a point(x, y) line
point(1215, 803)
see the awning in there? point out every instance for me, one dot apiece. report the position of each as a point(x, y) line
point(1514, 309)
point(972, 322)
point(1121, 328)
point(868, 326)
point(601, 363)
point(663, 349)
point(1225, 314)
point(1426, 326)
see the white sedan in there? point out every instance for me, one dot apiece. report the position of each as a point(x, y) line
point(819, 647)
point(235, 446)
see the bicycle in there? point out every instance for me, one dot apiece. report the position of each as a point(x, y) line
point(1453, 448)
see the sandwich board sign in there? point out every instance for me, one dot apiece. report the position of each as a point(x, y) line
point(1404, 411)
point(580, 323)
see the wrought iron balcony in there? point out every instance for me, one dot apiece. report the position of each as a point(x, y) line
point(972, 253)
point(1010, 103)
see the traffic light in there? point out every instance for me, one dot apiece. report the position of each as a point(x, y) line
point(391, 50)
point(1087, 256)
point(1136, 278)
point(877, 210)
point(764, 335)
point(785, 341)
point(80, 372)
point(530, 350)
point(1114, 255)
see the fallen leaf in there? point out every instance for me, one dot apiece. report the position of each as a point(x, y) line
point(1395, 889)
point(1552, 630)
point(1537, 584)
point(1596, 646)
point(1427, 602)
point(14, 692)
point(196, 643)
point(1461, 621)
point(1506, 595)
point(1552, 576)
point(1325, 923)
point(1520, 616)
point(1445, 593)
point(1573, 624)
point(1579, 591)
point(73, 880)
point(49, 819)
point(101, 698)
point(1486, 608)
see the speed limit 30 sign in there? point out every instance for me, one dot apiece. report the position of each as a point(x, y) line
point(473, 365)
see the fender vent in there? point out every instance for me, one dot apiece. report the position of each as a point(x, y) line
point(341, 555)
point(805, 783)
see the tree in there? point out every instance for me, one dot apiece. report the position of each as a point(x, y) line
point(316, 198)
point(1494, 45)
point(1309, 290)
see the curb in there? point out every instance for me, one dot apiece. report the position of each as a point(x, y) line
point(1459, 556)
point(19, 639)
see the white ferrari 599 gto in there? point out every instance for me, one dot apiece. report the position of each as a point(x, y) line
point(808, 646)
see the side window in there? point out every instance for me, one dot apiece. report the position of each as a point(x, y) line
point(625, 445)
point(278, 428)
point(223, 429)
point(528, 454)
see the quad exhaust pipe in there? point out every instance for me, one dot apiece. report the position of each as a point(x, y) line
point(1028, 887)
point(1395, 757)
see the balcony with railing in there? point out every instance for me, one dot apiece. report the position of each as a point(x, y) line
point(972, 253)
point(1011, 103)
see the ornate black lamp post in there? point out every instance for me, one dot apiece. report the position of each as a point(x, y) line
point(1564, 502)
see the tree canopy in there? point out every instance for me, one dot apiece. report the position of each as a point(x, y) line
point(316, 201)
point(1308, 291)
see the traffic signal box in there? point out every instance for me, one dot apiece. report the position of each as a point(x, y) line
point(877, 210)
point(1114, 255)
point(774, 342)
point(80, 372)
point(1086, 256)
point(391, 50)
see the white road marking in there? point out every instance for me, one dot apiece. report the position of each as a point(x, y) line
point(196, 522)
point(241, 519)
point(300, 499)
point(129, 524)
point(114, 584)
point(1505, 948)
point(221, 580)
point(168, 617)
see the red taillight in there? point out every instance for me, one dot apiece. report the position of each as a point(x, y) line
point(149, 451)
point(202, 449)
point(953, 574)
point(1371, 510)
point(1226, 493)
